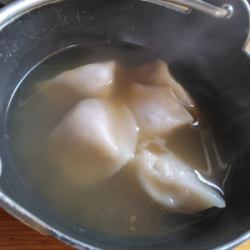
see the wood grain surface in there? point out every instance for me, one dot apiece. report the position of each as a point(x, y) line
point(16, 236)
point(245, 246)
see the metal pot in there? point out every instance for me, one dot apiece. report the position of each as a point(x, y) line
point(205, 54)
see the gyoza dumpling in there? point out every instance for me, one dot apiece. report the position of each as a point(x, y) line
point(157, 73)
point(156, 109)
point(94, 140)
point(88, 81)
point(173, 184)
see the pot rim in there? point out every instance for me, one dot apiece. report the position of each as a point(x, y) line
point(9, 14)
point(18, 8)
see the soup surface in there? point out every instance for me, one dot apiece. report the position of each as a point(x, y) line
point(126, 199)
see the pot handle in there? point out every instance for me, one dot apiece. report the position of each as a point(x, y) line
point(185, 6)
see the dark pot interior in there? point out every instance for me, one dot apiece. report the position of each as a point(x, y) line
point(204, 53)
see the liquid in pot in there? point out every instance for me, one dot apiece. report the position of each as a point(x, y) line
point(120, 202)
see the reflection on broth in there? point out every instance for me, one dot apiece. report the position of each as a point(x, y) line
point(113, 145)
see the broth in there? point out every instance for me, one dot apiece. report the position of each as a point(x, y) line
point(119, 205)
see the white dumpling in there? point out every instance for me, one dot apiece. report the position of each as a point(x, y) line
point(94, 140)
point(88, 81)
point(157, 73)
point(156, 109)
point(173, 184)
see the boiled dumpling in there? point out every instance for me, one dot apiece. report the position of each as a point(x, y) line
point(88, 81)
point(157, 73)
point(92, 80)
point(173, 184)
point(94, 140)
point(156, 109)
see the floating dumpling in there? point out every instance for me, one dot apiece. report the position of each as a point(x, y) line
point(157, 73)
point(173, 184)
point(88, 81)
point(156, 109)
point(94, 140)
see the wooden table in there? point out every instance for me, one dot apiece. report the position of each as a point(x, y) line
point(16, 236)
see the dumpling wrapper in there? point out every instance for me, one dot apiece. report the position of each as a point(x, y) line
point(88, 81)
point(94, 140)
point(156, 109)
point(173, 184)
point(157, 73)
